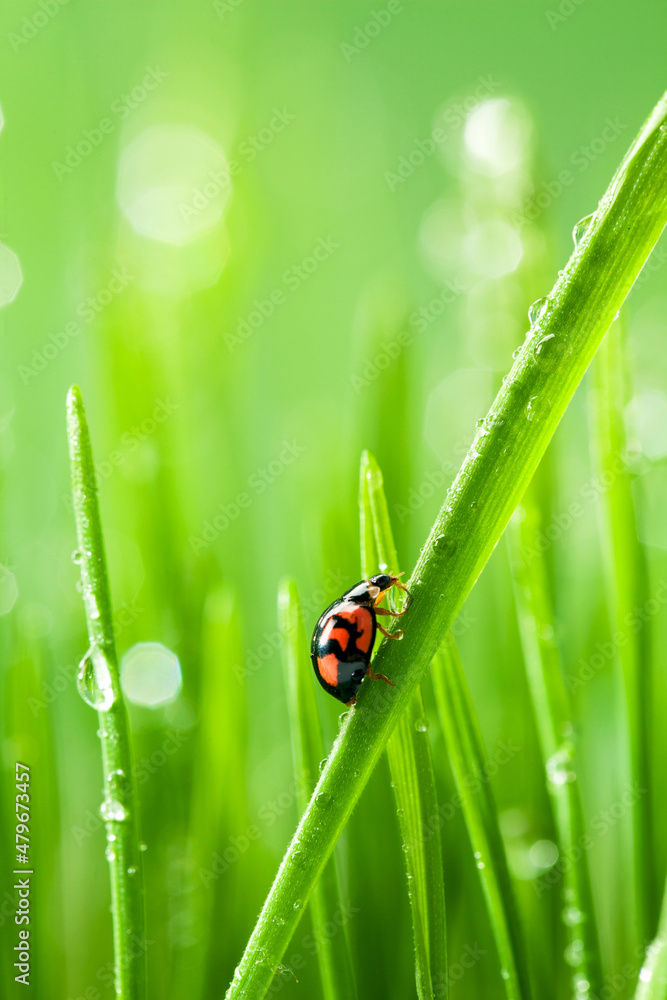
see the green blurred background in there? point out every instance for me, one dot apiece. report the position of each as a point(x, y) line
point(262, 236)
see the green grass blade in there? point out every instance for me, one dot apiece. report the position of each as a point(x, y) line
point(326, 902)
point(468, 758)
point(100, 687)
point(652, 983)
point(496, 470)
point(627, 589)
point(553, 717)
point(411, 766)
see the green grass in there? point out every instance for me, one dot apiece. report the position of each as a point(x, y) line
point(410, 766)
point(396, 343)
point(99, 684)
point(469, 763)
point(503, 457)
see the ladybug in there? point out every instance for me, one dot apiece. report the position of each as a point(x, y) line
point(343, 639)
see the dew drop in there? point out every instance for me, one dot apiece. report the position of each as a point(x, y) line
point(504, 974)
point(420, 726)
point(574, 953)
point(559, 766)
point(323, 799)
point(322, 764)
point(537, 310)
point(582, 228)
point(143, 847)
point(572, 916)
point(77, 556)
point(113, 811)
point(132, 870)
point(94, 680)
point(297, 904)
point(480, 865)
point(110, 853)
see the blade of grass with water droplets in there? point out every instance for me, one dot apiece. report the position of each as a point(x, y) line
point(468, 759)
point(100, 687)
point(411, 765)
point(553, 717)
point(495, 472)
point(326, 903)
point(627, 589)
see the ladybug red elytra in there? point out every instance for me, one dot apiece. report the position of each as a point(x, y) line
point(343, 639)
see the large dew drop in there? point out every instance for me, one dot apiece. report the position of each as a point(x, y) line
point(537, 310)
point(94, 680)
point(582, 228)
point(113, 811)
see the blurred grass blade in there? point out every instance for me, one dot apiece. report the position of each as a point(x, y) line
point(411, 765)
point(566, 331)
point(553, 718)
point(652, 983)
point(627, 589)
point(99, 684)
point(218, 798)
point(468, 760)
point(326, 903)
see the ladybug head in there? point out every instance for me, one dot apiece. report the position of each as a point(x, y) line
point(384, 581)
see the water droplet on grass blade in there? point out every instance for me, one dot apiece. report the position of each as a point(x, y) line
point(113, 811)
point(572, 916)
point(582, 228)
point(537, 310)
point(94, 680)
point(77, 556)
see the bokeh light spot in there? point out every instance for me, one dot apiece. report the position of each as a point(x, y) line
point(646, 417)
point(150, 674)
point(173, 183)
point(493, 248)
point(496, 136)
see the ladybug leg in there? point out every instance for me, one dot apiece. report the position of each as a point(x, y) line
point(352, 701)
point(389, 635)
point(377, 677)
point(385, 611)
